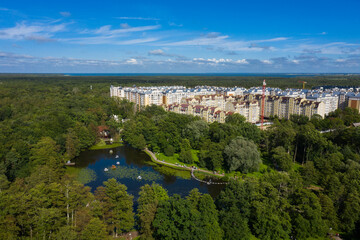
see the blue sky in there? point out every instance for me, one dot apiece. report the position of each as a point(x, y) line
point(260, 36)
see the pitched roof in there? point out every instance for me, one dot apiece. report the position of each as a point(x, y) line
point(356, 124)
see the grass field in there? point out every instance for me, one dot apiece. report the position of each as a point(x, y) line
point(175, 158)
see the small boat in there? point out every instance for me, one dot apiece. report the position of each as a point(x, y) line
point(68, 163)
point(106, 169)
point(111, 151)
point(117, 156)
point(117, 163)
point(113, 167)
point(139, 177)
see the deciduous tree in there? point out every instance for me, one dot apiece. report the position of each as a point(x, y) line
point(242, 155)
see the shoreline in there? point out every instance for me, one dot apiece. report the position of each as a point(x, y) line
point(156, 160)
point(107, 146)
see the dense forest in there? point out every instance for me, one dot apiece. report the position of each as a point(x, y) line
point(291, 81)
point(287, 182)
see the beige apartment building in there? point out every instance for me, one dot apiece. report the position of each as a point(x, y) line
point(211, 106)
point(284, 107)
point(209, 114)
point(249, 109)
point(354, 102)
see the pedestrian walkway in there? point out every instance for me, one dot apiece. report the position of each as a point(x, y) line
point(207, 182)
point(188, 168)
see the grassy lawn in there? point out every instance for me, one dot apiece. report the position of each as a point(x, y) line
point(103, 145)
point(263, 168)
point(175, 158)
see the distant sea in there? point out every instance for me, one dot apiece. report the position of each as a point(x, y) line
point(209, 74)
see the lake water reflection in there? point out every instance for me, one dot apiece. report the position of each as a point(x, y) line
point(132, 163)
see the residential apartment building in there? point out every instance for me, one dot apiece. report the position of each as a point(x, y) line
point(209, 114)
point(284, 107)
point(249, 109)
point(144, 96)
point(215, 103)
point(331, 102)
point(354, 102)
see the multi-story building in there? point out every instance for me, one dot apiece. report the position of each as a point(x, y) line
point(284, 107)
point(209, 114)
point(214, 103)
point(331, 102)
point(249, 109)
point(144, 96)
point(354, 102)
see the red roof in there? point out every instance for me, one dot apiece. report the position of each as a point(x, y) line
point(102, 128)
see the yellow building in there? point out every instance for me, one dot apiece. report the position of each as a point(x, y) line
point(354, 102)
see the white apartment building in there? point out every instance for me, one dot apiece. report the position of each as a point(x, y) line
point(330, 101)
point(235, 91)
point(172, 96)
point(144, 96)
point(214, 103)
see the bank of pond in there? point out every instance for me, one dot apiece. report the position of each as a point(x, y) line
point(135, 168)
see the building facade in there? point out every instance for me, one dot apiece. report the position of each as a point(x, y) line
point(215, 103)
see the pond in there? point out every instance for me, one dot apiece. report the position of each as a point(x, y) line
point(130, 164)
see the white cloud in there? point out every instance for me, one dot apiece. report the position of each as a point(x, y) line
point(242, 61)
point(108, 40)
point(266, 61)
point(332, 48)
point(136, 41)
point(162, 53)
point(271, 40)
point(213, 35)
point(158, 52)
point(138, 18)
point(38, 32)
point(174, 24)
point(25, 63)
point(340, 60)
point(217, 41)
point(106, 30)
point(65, 14)
point(125, 25)
point(219, 61)
point(203, 41)
point(132, 61)
point(118, 36)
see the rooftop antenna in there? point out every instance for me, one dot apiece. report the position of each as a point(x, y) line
point(263, 105)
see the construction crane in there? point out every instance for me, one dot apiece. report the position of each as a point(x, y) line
point(263, 104)
point(303, 82)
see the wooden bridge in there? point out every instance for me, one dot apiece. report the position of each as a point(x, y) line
point(207, 182)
